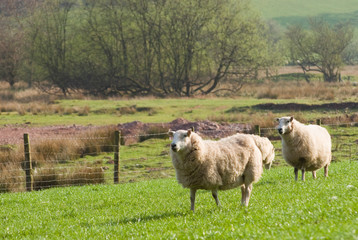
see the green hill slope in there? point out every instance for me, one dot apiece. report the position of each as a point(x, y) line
point(287, 12)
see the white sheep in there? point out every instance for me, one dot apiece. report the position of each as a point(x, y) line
point(305, 147)
point(265, 146)
point(215, 165)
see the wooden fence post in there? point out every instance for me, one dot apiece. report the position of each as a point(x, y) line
point(117, 143)
point(258, 130)
point(319, 122)
point(28, 164)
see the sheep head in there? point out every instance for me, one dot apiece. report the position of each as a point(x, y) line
point(181, 140)
point(285, 125)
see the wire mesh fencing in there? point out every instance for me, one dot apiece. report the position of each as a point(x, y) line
point(105, 158)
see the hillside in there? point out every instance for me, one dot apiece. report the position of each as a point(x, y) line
point(288, 12)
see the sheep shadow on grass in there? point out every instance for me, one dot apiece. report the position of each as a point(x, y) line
point(146, 218)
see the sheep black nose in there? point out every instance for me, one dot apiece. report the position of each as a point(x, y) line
point(280, 130)
point(173, 145)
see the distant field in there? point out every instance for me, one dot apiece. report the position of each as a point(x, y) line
point(296, 11)
point(104, 112)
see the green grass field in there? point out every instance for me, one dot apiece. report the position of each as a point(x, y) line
point(280, 208)
point(288, 12)
point(104, 112)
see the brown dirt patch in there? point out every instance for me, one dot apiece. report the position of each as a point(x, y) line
point(13, 134)
point(133, 131)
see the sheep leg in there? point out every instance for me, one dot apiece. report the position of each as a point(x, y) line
point(326, 171)
point(296, 173)
point(247, 195)
point(243, 190)
point(215, 196)
point(303, 175)
point(192, 198)
point(314, 174)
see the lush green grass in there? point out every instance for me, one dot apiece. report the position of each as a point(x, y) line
point(296, 11)
point(280, 208)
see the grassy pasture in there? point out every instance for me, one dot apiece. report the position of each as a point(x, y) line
point(105, 112)
point(280, 208)
point(28, 106)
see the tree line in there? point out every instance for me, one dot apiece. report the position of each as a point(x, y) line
point(156, 47)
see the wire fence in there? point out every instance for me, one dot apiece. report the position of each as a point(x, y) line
point(42, 163)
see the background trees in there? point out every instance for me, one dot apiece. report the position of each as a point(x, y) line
point(320, 48)
point(130, 47)
point(157, 47)
point(172, 47)
point(12, 38)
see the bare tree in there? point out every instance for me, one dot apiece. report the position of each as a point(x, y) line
point(11, 54)
point(13, 42)
point(320, 48)
point(52, 48)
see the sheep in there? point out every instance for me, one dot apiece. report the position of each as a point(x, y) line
point(265, 146)
point(305, 147)
point(215, 165)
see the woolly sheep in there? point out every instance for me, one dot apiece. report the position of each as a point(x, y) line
point(305, 147)
point(215, 165)
point(265, 146)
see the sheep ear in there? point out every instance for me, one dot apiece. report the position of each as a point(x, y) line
point(189, 132)
point(291, 119)
point(171, 133)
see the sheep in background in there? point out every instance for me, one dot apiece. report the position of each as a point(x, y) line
point(305, 147)
point(215, 165)
point(267, 150)
point(265, 146)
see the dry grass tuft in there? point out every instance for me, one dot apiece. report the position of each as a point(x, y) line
point(96, 141)
point(154, 132)
point(82, 176)
point(300, 89)
point(49, 154)
point(55, 151)
point(342, 119)
point(12, 176)
point(49, 176)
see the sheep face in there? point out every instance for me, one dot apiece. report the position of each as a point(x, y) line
point(181, 140)
point(285, 125)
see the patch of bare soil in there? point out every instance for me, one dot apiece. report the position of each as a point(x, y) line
point(133, 131)
point(13, 134)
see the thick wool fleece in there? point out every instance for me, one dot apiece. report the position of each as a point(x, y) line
point(217, 165)
point(265, 146)
point(307, 147)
